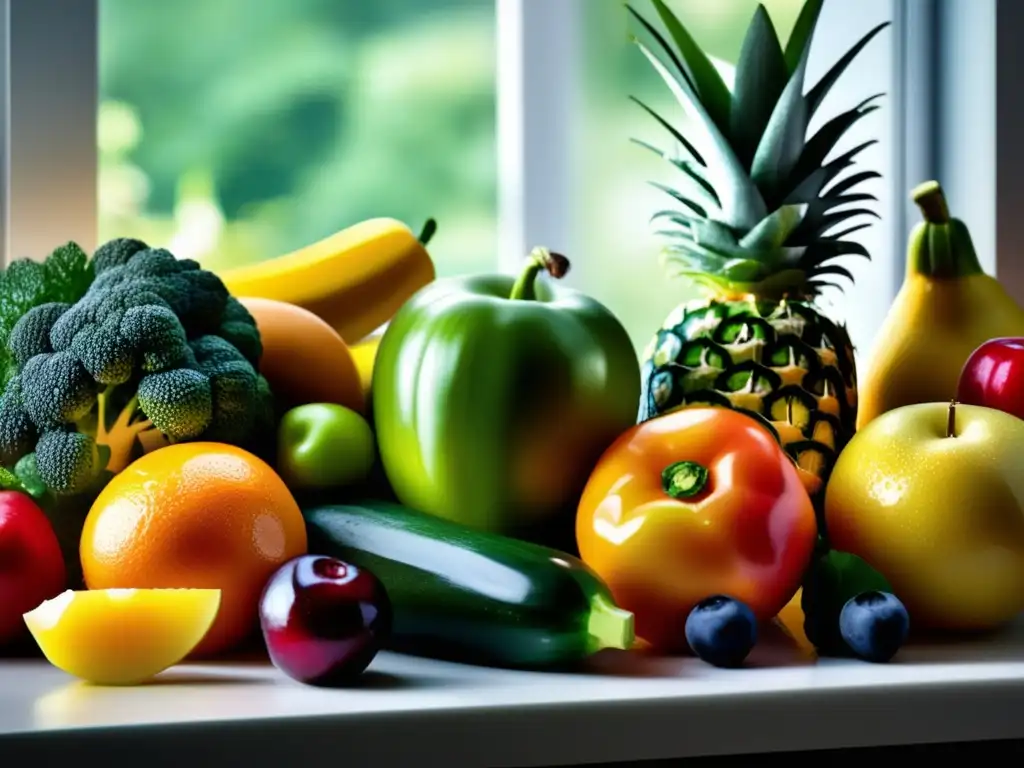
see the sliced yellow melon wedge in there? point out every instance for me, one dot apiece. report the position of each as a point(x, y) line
point(122, 636)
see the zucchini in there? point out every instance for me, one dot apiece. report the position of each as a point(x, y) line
point(472, 596)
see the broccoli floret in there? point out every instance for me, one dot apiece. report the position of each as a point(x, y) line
point(205, 298)
point(67, 461)
point(195, 295)
point(234, 399)
point(31, 334)
point(156, 351)
point(115, 253)
point(67, 326)
point(239, 327)
point(178, 402)
point(152, 262)
point(103, 353)
point(210, 351)
point(56, 389)
point(266, 415)
point(159, 336)
point(17, 431)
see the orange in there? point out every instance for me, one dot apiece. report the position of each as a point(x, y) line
point(304, 359)
point(199, 516)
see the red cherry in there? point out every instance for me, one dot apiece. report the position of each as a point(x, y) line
point(324, 620)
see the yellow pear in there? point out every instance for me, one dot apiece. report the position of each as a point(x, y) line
point(945, 309)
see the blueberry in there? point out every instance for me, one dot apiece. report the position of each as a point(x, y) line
point(721, 631)
point(874, 625)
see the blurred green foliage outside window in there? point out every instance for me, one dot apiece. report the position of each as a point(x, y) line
point(234, 131)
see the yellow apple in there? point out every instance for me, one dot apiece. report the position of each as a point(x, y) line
point(932, 496)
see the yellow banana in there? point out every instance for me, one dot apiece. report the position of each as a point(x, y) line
point(355, 280)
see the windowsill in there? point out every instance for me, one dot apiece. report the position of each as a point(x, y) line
point(419, 712)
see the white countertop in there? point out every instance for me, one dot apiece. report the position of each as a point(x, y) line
point(418, 712)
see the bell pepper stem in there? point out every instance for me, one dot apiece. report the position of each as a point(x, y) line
point(609, 625)
point(555, 264)
point(951, 419)
point(684, 479)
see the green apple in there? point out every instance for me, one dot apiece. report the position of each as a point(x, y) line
point(932, 496)
point(323, 445)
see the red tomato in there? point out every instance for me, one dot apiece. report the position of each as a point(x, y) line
point(698, 502)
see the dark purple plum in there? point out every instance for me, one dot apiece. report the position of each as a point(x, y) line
point(324, 620)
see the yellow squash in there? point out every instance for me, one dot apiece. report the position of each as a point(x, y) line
point(355, 280)
point(946, 308)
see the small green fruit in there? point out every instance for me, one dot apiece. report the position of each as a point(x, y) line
point(323, 445)
point(833, 579)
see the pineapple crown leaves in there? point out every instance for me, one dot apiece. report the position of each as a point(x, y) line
point(712, 250)
point(741, 201)
point(750, 166)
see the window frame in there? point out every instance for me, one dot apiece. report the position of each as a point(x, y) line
point(48, 108)
point(538, 49)
point(961, 116)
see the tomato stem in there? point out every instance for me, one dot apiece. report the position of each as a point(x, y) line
point(684, 479)
point(951, 419)
point(555, 264)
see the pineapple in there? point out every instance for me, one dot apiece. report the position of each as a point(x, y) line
point(761, 220)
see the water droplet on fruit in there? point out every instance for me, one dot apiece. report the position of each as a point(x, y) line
point(888, 491)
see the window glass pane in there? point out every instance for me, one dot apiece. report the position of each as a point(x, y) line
point(620, 251)
point(235, 131)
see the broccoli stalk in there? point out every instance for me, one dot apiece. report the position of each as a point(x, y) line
point(155, 352)
point(120, 437)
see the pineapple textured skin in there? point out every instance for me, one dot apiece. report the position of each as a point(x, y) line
point(781, 362)
point(764, 211)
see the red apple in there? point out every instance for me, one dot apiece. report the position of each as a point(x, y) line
point(993, 376)
point(31, 563)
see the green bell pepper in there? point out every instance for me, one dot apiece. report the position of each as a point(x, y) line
point(494, 397)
